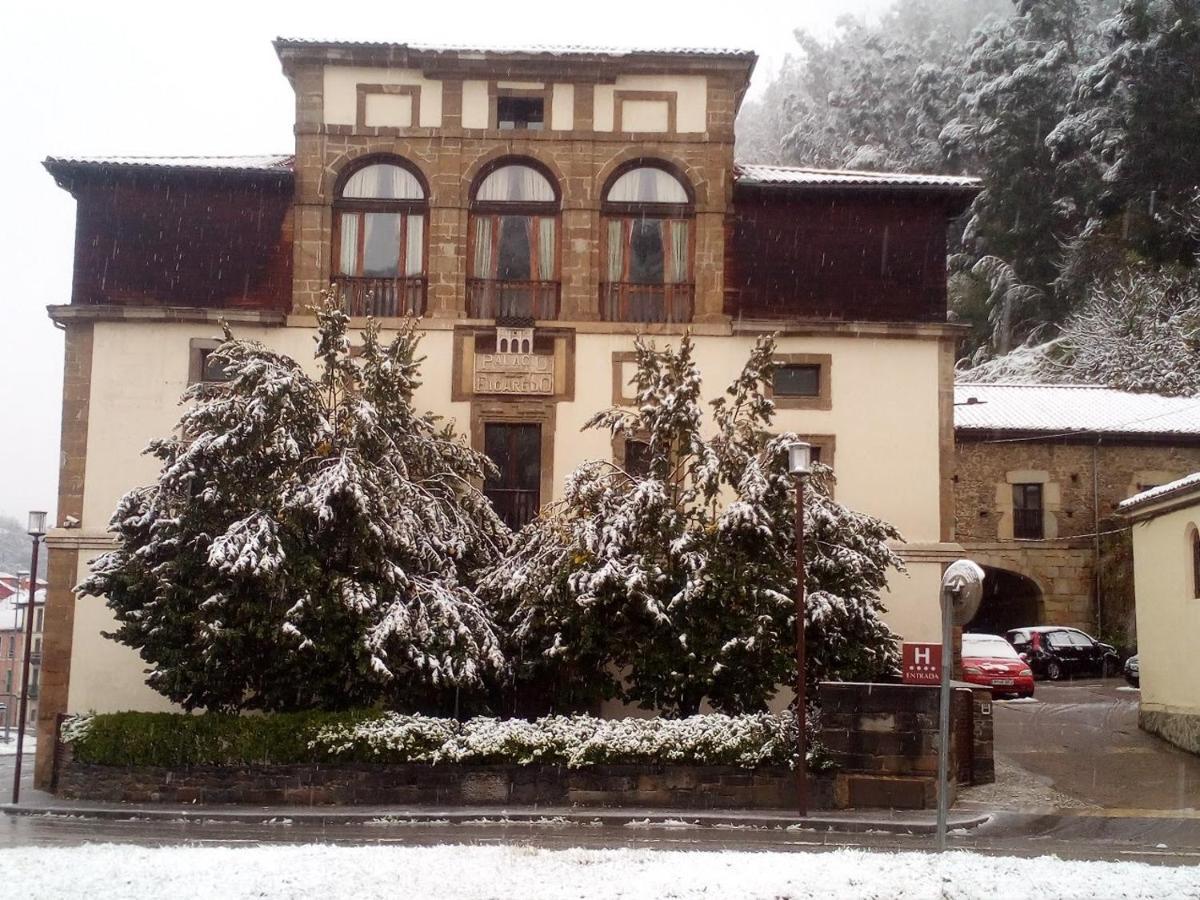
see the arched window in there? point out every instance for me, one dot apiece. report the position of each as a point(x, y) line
point(648, 247)
point(514, 245)
point(380, 241)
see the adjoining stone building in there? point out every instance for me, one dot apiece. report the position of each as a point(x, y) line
point(1039, 473)
point(538, 209)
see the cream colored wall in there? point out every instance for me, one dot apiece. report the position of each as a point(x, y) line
point(562, 107)
point(1168, 613)
point(341, 92)
point(884, 416)
point(691, 99)
point(476, 108)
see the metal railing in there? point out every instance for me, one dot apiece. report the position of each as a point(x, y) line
point(1027, 524)
point(491, 299)
point(381, 296)
point(630, 302)
point(515, 507)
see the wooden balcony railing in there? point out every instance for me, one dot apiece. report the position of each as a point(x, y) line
point(629, 302)
point(488, 299)
point(381, 296)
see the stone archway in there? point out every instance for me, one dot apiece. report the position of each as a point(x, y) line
point(1010, 600)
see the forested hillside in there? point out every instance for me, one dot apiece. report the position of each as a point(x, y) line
point(1081, 117)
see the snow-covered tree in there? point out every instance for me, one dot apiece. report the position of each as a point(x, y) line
point(674, 586)
point(1139, 331)
point(309, 542)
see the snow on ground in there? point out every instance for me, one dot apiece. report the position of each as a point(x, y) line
point(9, 748)
point(451, 872)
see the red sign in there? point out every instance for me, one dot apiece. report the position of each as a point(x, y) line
point(922, 663)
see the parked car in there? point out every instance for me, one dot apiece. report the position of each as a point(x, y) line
point(1133, 674)
point(991, 661)
point(1055, 652)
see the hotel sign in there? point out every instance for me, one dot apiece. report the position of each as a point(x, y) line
point(514, 373)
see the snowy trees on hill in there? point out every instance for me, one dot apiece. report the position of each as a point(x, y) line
point(673, 585)
point(309, 541)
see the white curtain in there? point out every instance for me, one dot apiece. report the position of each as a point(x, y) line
point(383, 182)
point(521, 184)
point(483, 248)
point(545, 249)
point(348, 256)
point(647, 185)
point(414, 253)
point(678, 271)
point(616, 250)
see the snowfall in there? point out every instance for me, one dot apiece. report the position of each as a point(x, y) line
point(449, 872)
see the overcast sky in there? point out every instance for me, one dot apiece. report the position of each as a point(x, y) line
point(194, 78)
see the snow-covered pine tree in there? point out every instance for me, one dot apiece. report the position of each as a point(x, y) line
point(309, 542)
point(674, 586)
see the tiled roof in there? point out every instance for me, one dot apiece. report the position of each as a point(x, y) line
point(749, 174)
point(521, 50)
point(1069, 409)
point(1162, 492)
point(277, 162)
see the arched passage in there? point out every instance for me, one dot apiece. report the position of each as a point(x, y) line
point(1009, 601)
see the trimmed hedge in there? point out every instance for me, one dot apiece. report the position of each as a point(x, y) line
point(171, 740)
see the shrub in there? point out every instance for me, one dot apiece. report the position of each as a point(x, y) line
point(174, 740)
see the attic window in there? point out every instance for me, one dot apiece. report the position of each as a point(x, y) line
point(521, 113)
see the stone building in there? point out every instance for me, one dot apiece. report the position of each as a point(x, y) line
point(538, 209)
point(1039, 473)
point(14, 606)
point(1165, 524)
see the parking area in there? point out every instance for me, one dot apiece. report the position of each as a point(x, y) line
point(1081, 739)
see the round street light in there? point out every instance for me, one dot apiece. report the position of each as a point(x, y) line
point(800, 467)
point(37, 523)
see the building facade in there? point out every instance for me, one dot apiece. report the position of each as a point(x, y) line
point(1165, 523)
point(1040, 471)
point(14, 607)
point(538, 210)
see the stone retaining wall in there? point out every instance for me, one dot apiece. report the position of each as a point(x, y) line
point(666, 786)
point(1180, 729)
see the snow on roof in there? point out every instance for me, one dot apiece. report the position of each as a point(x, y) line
point(1071, 408)
point(274, 162)
point(521, 49)
point(1161, 492)
point(750, 174)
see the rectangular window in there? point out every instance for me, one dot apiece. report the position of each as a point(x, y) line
point(516, 451)
point(637, 458)
point(797, 381)
point(40, 620)
point(210, 370)
point(381, 245)
point(520, 113)
point(8, 682)
point(1028, 512)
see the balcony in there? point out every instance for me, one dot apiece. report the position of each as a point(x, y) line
point(1027, 524)
point(489, 299)
point(516, 508)
point(380, 297)
point(647, 303)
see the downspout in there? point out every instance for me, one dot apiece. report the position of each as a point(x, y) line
point(1098, 579)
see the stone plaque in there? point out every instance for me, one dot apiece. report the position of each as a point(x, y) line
point(514, 373)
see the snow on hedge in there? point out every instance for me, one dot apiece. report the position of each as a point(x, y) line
point(746, 741)
point(529, 873)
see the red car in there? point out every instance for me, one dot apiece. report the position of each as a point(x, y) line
point(991, 661)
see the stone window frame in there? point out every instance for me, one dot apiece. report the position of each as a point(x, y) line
point(823, 400)
point(545, 93)
point(1051, 504)
point(619, 385)
point(619, 441)
point(362, 91)
point(198, 348)
point(496, 409)
point(671, 98)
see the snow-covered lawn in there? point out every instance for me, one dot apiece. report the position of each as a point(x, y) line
point(450, 872)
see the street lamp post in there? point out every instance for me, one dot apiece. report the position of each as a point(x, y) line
point(37, 529)
point(799, 465)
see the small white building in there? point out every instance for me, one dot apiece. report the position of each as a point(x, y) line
point(1165, 523)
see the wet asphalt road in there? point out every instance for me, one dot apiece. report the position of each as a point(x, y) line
point(1082, 739)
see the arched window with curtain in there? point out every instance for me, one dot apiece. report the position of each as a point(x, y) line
point(647, 265)
point(379, 241)
point(514, 245)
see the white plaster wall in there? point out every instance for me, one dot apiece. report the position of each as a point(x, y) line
point(691, 99)
point(341, 92)
point(1168, 613)
point(562, 107)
